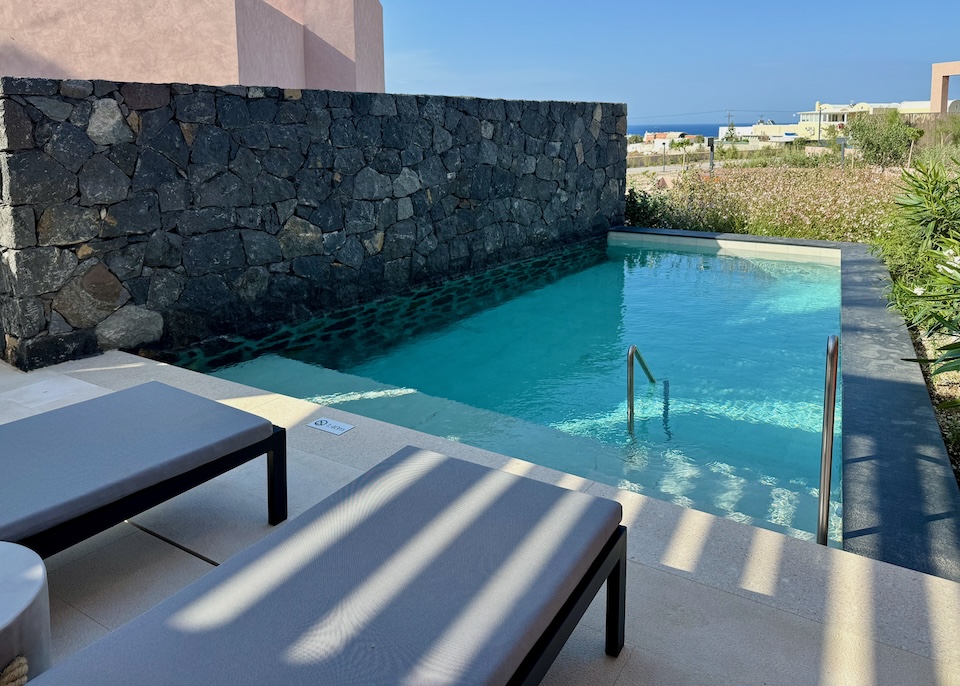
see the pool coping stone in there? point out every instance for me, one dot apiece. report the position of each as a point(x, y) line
point(901, 501)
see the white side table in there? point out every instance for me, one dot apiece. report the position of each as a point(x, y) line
point(24, 608)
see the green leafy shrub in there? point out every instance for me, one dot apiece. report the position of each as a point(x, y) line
point(922, 251)
point(644, 209)
point(946, 155)
point(931, 202)
point(946, 130)
point(883, 139)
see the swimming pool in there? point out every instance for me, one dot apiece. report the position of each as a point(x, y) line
point(529, 361)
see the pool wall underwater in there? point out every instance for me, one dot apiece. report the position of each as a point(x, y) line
point(901, 502)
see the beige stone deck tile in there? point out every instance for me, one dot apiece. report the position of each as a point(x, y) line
point(117, 370)
point(11, 377)
point(644, 668)
point(49, 392)
point(887, 603)
point(222, 517)
point(11, 411)
point(70, 629)
point(583, 661)
point(9, 373)
point(686, 625)
point(73, 553)
point(710, 601)
point(124, 579)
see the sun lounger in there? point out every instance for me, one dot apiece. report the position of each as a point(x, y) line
point(425, 570)
point(70, 473)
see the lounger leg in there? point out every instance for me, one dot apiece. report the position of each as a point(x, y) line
point(277, 477)
point(617, 602)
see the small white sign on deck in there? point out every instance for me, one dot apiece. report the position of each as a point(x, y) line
point(330, 426)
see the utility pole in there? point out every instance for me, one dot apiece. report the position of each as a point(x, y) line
point(819, 118)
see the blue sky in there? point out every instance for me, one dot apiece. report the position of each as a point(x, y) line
point(691, 58)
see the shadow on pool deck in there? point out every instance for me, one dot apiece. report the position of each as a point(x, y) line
point(710, 601)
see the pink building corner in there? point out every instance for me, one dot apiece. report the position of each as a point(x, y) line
point(328, 44)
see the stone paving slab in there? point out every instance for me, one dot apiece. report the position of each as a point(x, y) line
point(710, 601)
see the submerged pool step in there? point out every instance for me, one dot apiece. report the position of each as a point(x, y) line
point(776, 506)
point(430, 414)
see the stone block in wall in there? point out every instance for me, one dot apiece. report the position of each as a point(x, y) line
point(165, 288)
point(192, 222)
point(213, 252)
point(107, 125)
point(16, 85)
point(17, 227)
point(54, 109)
point(32, 177)
point(36, 271)
point(139, 215)
point(298, 237)
point(102, 182)
point(16, 128)
point(70, 146)
point(129, 327)
point(62, 225)
point(164, 249)
point(47, 349)
point(87, 300)
point(153, 170)
point(76, 89)
point(225, 190)
point(260, 247)
point(22, 317)
point(145, 96)
point(127, 262)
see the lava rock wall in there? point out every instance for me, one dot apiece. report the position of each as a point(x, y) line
point(137, 215)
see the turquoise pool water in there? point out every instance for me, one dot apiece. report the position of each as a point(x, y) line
point(533, 364)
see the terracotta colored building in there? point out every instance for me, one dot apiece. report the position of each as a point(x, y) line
point(940, 84)
point(332, 44)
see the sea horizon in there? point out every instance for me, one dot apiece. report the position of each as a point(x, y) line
point(692, 129)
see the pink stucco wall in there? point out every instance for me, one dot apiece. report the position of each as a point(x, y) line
point(335, 44)
point(292, 8)
point(369, 51)
point(158, 41)
point(269, 46)
point(330, 45)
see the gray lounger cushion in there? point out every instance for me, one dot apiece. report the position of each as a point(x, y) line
point(60, 464)
point(425, 570)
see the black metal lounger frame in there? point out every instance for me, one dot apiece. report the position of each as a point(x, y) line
point(610, 566)
point(83, 526)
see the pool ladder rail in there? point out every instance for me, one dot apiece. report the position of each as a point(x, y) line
point(826, 436)
point(633, 354)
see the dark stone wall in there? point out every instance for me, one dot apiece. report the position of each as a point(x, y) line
point(160, 215)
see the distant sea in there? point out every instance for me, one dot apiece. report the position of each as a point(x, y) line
point(693, 129)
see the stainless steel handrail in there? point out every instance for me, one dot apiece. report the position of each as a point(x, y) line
point(634, 354)
point(826, 437)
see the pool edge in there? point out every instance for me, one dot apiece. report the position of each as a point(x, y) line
point(900, 497)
